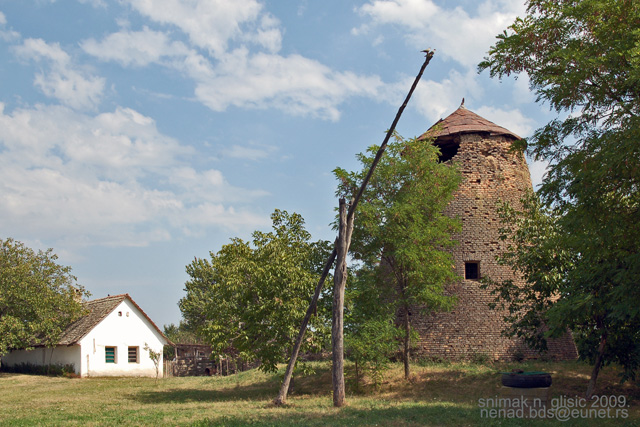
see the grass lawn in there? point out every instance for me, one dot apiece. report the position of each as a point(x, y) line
point(438, 394)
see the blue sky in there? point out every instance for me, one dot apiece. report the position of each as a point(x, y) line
point(136, 135)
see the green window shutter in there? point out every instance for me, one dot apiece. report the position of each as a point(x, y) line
point(110, 354)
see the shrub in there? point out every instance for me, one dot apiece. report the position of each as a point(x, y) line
point(432, 360)
point(371, 347)
point(53, 370)
point(479, 358)
point(518, 356)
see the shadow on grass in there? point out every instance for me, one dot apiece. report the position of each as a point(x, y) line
point(416, 415)
point(435, 396)
point(410, 416)
point(455, 384)
point(264, 391)
point(253, 392)
point(8, 374)
point(469, 382)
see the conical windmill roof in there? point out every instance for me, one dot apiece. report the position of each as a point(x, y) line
point(464, 121)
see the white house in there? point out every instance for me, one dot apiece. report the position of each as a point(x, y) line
point(109, 341)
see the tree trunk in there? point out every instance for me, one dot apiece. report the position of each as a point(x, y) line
point(292, 385)
point(407, 342)
point(337, 326)
point(591, 388)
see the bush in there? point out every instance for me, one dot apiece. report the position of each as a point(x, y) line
point(432, 360)
point(479, 358)
point(54, 370)
point(371, 347)
point(518, 356)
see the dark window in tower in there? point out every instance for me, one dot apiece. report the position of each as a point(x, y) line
point(448, 149)
point(472, 270)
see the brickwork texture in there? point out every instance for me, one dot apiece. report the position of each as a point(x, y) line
point(490, 173)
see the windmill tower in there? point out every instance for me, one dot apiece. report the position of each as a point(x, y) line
point(490, 173)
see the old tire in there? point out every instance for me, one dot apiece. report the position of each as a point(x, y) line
point(526, 379)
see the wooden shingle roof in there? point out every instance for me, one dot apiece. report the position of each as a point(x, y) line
point(98, 309)
point(464, 121)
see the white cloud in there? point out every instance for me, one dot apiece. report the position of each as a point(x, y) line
point(146, 47)
point(437, 99)
point(208, 186)
point(134, 48)
point(122, 145)
point(110, 179)
point(410, 13)
point(209, 214)
point(248, 153)
point(522, 94)
point(210, 24)
point(95, 3)
point(64, 81)
point(267, 35)
point(462, 35)
point(193, 65)
point(512, 120)
point(537, 169)
point(9, 35)
point(240, 77)
point(452, 31)
point(294, 84)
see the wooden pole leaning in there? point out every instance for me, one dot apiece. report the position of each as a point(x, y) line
point(282, 395)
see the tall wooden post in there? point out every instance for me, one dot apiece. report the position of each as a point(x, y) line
point(339, 281)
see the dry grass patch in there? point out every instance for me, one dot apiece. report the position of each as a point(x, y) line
point(438, 394)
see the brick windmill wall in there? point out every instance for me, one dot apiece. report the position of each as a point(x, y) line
point(490, 173)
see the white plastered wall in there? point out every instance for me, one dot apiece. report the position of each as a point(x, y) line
point(124, 327)
point(60, 355)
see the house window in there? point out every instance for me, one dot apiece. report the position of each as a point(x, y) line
point(133, 355)
point(110, 354)
point(472, 270)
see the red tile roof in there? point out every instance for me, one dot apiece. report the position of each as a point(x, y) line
point(97, 310)
point(464, 121)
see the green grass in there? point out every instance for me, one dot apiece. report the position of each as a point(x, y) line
point(438, 394)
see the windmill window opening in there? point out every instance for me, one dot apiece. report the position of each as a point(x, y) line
point(448, 150)
point(472, 270)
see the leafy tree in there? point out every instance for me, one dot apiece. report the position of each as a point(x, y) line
point(560, 295)
point(247, 300)
point(583, 58)
point(370, 331)
point(371, 346)
point(180, 334)
point(535, 250)
point(155, 357)
point(38, 297)
point(401, 228)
